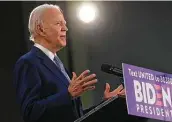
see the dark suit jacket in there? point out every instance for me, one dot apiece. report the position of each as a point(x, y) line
point(42, 90)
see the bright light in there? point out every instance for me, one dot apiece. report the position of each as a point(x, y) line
point(87, 13)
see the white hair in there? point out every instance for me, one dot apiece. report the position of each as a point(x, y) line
point(36, 17)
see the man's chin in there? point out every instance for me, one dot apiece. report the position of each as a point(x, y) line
point(62, 44)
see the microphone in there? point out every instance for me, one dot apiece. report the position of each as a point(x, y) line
point(112, 70)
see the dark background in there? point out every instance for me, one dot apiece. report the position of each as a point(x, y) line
point(137, 33)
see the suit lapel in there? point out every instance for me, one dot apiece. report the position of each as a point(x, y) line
point(49, 64)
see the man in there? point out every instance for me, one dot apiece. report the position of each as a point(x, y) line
point(44, 89)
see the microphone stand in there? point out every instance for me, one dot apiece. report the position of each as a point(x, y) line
point(96, 109)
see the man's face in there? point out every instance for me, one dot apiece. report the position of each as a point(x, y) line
point(54, 26)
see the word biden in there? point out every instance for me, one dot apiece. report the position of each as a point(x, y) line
point(152, 94)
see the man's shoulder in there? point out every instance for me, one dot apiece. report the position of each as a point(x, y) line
point(27, 58)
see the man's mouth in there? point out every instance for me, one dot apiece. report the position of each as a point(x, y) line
point(63, 37)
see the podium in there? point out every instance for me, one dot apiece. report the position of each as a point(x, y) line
point(112, 110)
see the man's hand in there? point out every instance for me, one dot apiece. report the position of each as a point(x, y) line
point(118, 91)
point(84, 82)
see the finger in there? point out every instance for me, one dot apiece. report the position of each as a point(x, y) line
point(89, 88)
point(107, 88)
point(89, 83)
point(83, 74)
point(117, 90)
point(120, 87)
point(74, 76)
point(122, 92)
point(88, 78)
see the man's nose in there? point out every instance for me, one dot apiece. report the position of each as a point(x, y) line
point(64, 28)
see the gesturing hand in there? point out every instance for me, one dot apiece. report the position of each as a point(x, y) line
point(84, 82)
point(120, 91)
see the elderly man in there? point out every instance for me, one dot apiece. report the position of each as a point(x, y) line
point(44, 89)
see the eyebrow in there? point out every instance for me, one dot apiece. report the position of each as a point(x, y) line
point(61, 21)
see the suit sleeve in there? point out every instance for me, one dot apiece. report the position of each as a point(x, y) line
point(28, 86)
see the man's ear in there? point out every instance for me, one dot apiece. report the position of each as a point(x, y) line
point(40, 30)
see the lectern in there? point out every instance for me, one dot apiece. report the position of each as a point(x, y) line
point(112, 110)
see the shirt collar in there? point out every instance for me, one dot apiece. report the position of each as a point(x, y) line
point(46, 51)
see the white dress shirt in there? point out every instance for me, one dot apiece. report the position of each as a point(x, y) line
point(46, 51)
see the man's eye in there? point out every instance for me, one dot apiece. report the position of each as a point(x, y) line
point(58, 23)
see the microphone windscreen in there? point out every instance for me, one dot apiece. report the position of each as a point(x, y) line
point(106, 67)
